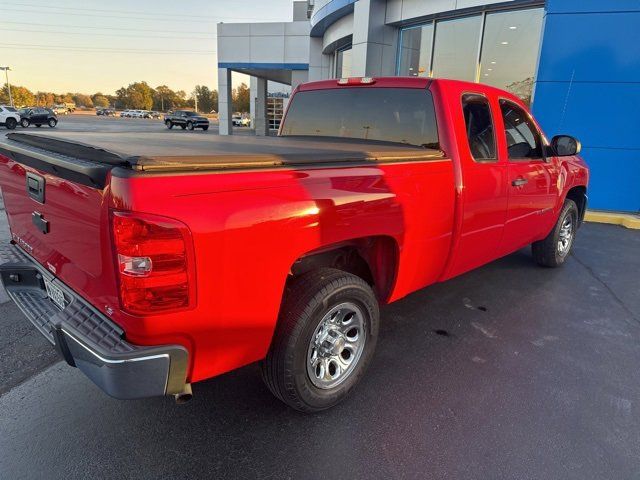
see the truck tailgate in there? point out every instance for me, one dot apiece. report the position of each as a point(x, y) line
point(59, 217)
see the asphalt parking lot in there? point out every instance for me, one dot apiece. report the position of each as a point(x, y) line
point(510, 371)
point(92, 123)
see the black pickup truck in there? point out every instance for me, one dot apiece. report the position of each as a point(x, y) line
point(186, 119)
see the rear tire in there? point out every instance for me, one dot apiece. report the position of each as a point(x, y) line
point(554, 250)
point(324, 340)
point(24, 123)
point(169, 124)
point(205, 128)
point(52, 122)
point(183, 126)
point(190, 125)
point(11, 123)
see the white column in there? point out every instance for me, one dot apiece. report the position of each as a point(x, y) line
point(225, 106)
point(253, 89)
point(374, 42)
point(317, 65)
point(298, 77)
point(262, 125)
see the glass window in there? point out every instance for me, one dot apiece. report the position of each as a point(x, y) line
point(400, 115)
point(480, 132)
point(415, 51)
point(510, 50)
point(523, 139)
point(455, 53)
point(343, 63)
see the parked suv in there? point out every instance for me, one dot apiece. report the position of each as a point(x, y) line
point(186, 119)
point(106, 112)
point(9, 117)
point(37, 116)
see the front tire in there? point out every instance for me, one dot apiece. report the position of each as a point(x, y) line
point(52, 122)
point(11, 123)
point(190, 125)
point(554, 250)
point(324, 341)
point(169, 124)
point(24, 123)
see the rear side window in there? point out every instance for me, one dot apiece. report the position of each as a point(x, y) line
point(523, 140)
point(400, 115)
point(479, 124)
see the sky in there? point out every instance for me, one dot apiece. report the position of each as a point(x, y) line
point(90, 46)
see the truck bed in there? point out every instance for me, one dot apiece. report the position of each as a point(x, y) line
point(208, 152)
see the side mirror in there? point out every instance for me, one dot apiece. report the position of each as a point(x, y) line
point(566, 145)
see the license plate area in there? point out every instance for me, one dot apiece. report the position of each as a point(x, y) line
point(55, 294)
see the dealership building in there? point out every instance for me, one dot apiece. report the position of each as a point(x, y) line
point(576, 62)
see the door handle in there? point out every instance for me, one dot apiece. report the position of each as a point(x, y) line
point(518, 182)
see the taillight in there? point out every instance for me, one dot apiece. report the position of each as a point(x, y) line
point(155, 263)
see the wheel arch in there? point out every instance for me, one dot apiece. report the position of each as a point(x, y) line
point(578, 194)
point(374, 259)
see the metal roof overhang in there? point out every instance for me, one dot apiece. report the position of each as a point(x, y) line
point(276, 72)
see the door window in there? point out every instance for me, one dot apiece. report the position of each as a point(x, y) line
point(523, 140)
point(480, 131)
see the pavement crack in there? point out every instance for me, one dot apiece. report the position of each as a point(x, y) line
point(607, 288)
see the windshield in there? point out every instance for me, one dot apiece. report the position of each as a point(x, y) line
point(401, 115)
point(191, 114)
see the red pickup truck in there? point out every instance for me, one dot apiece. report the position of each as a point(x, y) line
point(151, 265)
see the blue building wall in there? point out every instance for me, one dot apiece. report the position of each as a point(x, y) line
point(588, 85)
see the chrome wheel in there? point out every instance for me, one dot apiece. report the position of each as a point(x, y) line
point(336, 345)
point(565, 237)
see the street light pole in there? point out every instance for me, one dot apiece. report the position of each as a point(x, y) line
point(6, 73)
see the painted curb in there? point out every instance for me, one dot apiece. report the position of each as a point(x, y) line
point(624, 219)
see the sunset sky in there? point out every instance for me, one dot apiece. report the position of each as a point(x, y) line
point(89, 46)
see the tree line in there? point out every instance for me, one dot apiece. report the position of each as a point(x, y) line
point(137, 95)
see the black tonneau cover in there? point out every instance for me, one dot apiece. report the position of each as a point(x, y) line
point(96, 153)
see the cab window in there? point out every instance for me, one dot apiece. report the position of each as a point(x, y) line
point(479, 125)
point(523, 140)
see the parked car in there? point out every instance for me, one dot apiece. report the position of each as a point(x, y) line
point(191, 259)
point(186, 119)
point(240, 121)
point(60, 109)
point(37, 116)
point(9, 117)
point(154, 114)
point(106, 112)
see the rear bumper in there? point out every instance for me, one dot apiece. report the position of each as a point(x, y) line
point(87, 339)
